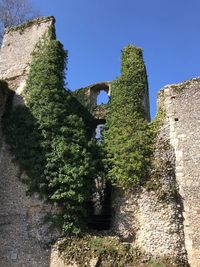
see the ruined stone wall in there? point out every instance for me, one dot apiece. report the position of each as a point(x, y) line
point(150, 217)
point(161, 219)
point(17, 48)
point(167, 225)
point(88, 96)
point(24, 238)
point(182, 105)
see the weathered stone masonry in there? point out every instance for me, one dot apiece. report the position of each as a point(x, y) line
point(16, 51)
point(182, 105)
point(151, 216)
point(24, 237)
point(169, 228)
point(160, 223)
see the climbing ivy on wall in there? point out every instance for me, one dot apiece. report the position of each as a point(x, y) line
point(127, 138)
point(83, 97)
point(49, 140)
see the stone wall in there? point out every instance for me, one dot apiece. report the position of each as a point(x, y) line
point(163, 217)
point(24, 237)
point(17, 48)
point(88, 96)
point(150, 216)
point(182, 104)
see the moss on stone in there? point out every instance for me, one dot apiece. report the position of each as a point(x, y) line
point(100, 111)
point(180, 87)
point(160, 164)
point(157, 121)
point(108, 250)
point(22, 27)
point(83, 97)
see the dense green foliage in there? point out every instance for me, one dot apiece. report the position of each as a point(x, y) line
point(127, 137)
point(49, 138)
point(50, 135)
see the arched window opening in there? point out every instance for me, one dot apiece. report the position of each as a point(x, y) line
point(102, 98)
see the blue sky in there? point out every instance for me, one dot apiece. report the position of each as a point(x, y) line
point(95, 31)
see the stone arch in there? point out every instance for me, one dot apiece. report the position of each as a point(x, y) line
point(96, 89)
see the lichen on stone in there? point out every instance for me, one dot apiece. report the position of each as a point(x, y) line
point(21, 27)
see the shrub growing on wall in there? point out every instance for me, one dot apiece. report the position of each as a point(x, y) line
point(127, 137)
point(49, 140)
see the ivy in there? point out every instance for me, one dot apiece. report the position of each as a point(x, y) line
point(127, 138)
point(49, 139)
point(83, 97)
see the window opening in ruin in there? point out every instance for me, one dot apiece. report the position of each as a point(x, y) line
point(102, 98)
point(98, 133)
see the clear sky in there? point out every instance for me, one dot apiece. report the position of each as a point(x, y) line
point(95, 31)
